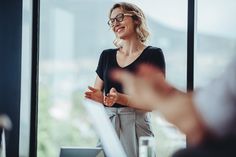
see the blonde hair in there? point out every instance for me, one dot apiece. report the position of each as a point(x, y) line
point(138, 15)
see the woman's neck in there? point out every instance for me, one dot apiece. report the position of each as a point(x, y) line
point(131, 47)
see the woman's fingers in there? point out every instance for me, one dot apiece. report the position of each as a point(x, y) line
point(92, 89)
point(113, 90)
point(91, 92)
point(88, 93)
point(111, 95)
point(109, 100)
point(87, 96)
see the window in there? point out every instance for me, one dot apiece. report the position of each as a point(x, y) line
point(216, 42)
point(70, 45)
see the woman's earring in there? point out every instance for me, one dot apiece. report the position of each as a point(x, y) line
point(115, 42)
point(118, 43)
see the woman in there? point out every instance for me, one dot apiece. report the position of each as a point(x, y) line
point(127, 21)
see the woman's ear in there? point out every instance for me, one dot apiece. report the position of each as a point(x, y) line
point(137, 22)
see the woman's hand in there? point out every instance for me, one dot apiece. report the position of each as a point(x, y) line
point(111, 98)
point(94, 94)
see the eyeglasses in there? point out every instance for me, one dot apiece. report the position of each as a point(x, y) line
point(119, 18)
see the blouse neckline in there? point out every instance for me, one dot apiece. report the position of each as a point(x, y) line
point(131, 62)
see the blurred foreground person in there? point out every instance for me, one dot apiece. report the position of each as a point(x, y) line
point(207, 116)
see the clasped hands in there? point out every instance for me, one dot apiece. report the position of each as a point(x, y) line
point(97, 95)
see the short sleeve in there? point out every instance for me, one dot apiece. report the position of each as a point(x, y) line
point(157, 59)
point(100, 66)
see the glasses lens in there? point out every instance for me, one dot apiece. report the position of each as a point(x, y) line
point(120, 17)
point(110, 22)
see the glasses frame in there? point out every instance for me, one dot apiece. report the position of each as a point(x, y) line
point(119, 18)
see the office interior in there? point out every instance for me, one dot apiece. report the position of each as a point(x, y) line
point(48, 54)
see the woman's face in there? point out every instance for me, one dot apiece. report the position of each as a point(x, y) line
point(122, 24)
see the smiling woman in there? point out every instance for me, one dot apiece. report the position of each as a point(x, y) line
point(128, 23)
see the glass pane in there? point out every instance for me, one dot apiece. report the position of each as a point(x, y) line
point(25, 77)
point(70, 45)
point(72, 36)
point(216, 36)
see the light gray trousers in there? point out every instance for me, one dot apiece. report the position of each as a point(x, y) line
point(130, 124)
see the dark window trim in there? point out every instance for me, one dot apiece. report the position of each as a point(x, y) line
point(190, 45)
point(34, 78)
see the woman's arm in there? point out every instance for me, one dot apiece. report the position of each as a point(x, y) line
point(98, 84)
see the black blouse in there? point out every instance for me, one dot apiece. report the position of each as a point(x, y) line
point(108, 62)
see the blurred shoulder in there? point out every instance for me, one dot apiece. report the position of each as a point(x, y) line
point(154, 49)
point(108, 52)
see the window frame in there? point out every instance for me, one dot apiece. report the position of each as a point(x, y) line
point(35, 64)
